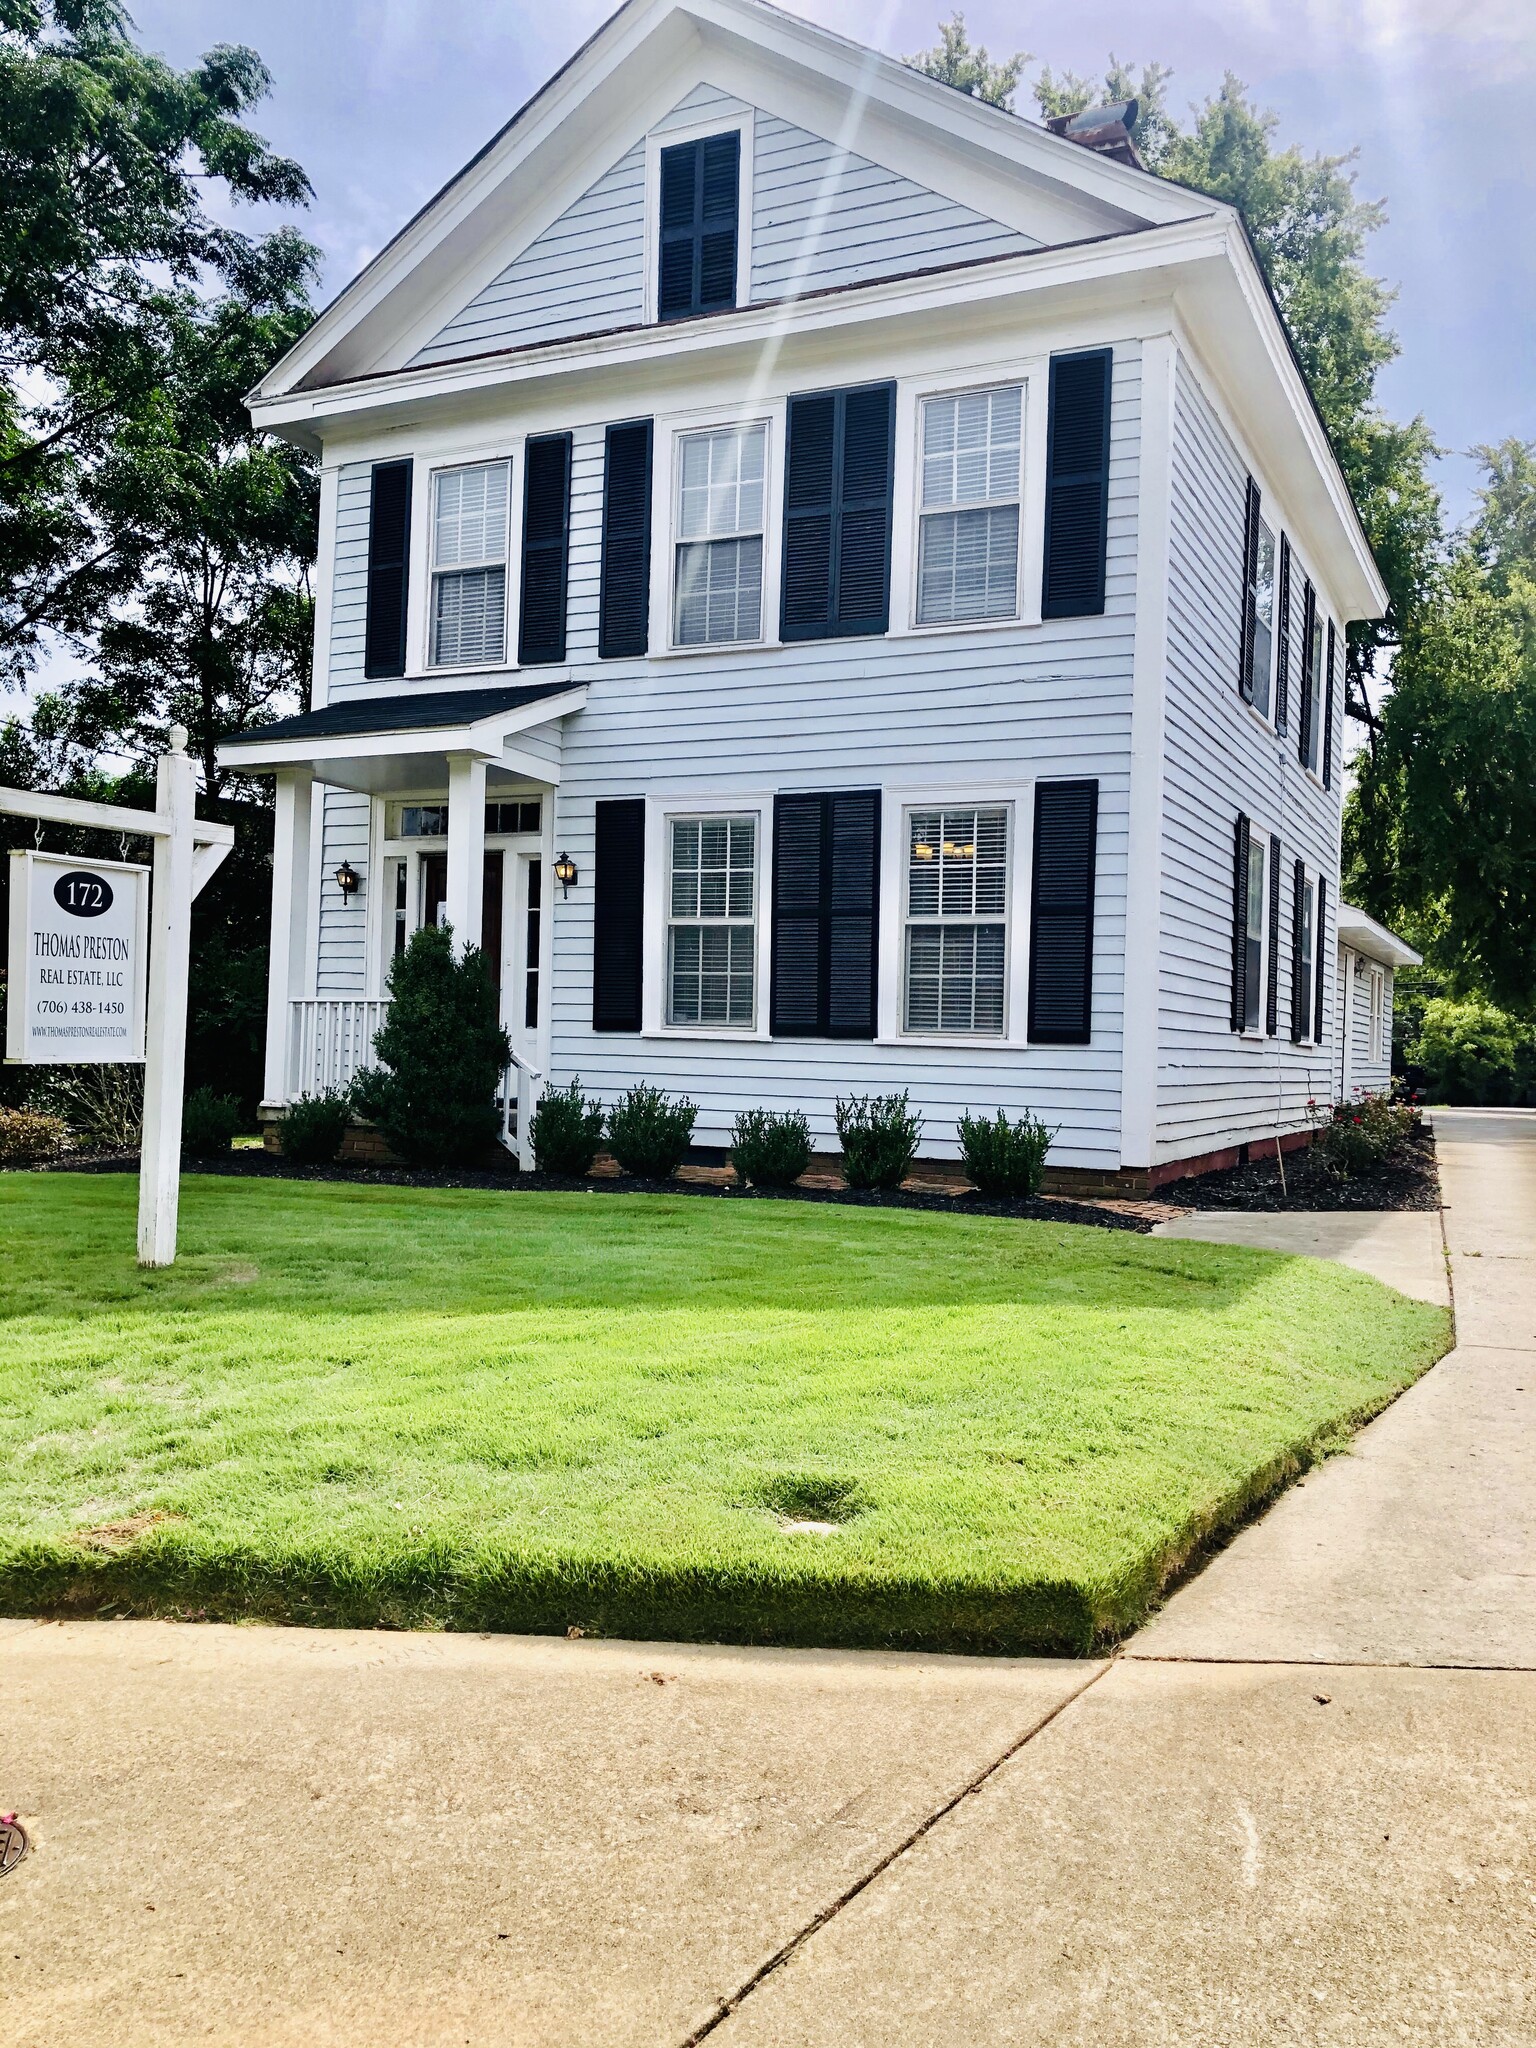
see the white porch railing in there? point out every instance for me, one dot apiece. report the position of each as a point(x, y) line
point(329, 1041)
point(521, 1086)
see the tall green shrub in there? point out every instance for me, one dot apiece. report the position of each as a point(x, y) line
point(1005, 1160)
point(442, 1051)
point(567, 1129)
point(879, 1135)
point(649, 1133)
point(1472, 1052)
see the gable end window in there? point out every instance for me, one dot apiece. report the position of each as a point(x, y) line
point(389, 552)
point(839, 464)
point(700, 188)
point(469, 566)
point(718, 570)
point(968, 521)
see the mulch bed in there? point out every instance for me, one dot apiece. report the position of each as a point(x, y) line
point(254, 1165)
point(1410, 1181)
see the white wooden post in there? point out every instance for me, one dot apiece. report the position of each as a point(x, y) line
point(290, 923)
point(170, 923)
point(466, 848)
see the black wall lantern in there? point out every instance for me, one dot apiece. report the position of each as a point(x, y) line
point(348, 881)
point(565, 872)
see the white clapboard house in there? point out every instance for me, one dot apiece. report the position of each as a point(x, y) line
point(839, 589)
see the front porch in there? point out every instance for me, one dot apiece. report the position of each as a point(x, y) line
point(393, 812)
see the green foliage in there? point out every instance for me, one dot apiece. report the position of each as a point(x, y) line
point(443, 1051)
point(105, 155)
point(1504, 535)
point(879, 1135)
point(29, 1135)
point(1472, 1052)
point(648, 1133)
point(315, 1126)
point(1005, 1160)
point(969, 69)
point(1359, 1136)
point(566, 1131)
point(770, 1148)
point(600, 1411)
point(208, 1123)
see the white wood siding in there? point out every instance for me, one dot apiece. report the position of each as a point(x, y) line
point(1214, 1088)
point(342, 951)
point(1366, 1076)
point(820, 217)
point(349, 579)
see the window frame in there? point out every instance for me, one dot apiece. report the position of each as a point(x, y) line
point(897, 805)
point(1309, 880)
point(911, 920)
point(924, 514)
point(744, 124)
point(1313, 765)
point(701, 922)
point(435, 572)
point(1266, 717)
point(661, 810)
point(666, 505)
point(430, 460)
point(1032, 374)
point(1259, 834)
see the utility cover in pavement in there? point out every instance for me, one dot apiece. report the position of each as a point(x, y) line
point(13, 1842)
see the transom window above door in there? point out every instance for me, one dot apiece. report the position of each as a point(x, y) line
point(968, 538)
point(957, 919)
point(721, 491)
point(469, 566)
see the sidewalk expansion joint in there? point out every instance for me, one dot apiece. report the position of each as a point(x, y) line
point(1318, 1663)
point(925, 1826)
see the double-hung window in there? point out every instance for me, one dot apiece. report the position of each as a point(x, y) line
point(956, 920)
point(1254, 933)
point(712, 921)
point(1263, 620)
point(968, 522)
point(721, 491)
point(469, 566)
point(1314, 687)
point(1303, 1024)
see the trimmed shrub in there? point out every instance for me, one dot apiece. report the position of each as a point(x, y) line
point(566, 1130)
point(208, 1123)
point(879, 1135)
point(27, 1135)
point(1005, 1160)
point(315, 1126)
point(1362, 1135)
point(443, 1051)
point(648, 1133)
point(770, 1148)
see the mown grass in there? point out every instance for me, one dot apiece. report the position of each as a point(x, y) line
point(363, 1406)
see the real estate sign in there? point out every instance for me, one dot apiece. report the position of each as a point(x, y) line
point(79, 959)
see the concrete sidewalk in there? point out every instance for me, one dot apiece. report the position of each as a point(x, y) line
point(1403, 1248)
point(288, 1836)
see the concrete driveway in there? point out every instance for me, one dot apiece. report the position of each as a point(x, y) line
point(1278, 1817)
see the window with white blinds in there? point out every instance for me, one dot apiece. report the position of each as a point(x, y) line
point(721, 488)
point(957, 920)
point(712, 921)
point(968, 538)
point(469, 566)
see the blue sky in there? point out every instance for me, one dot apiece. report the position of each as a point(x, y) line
point(382, 100)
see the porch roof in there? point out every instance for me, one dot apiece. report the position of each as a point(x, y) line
point(1361, 932)
point(393, 742)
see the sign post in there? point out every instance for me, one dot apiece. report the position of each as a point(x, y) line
point(79, 934)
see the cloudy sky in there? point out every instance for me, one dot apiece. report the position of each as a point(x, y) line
point(382, 100)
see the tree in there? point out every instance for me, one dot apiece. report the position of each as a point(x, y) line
point(954, 61)
point(103, 153)
point(442, 1049)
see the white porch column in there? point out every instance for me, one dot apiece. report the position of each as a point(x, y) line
point(290, 921)
point(466, 848)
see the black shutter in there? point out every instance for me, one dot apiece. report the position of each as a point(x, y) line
point(389, 569)
point(1077, 485)
point(826, 888)
point(1299, 990)
point(1304, 709)
point(546, 528)
point(624, 601)
point(1320, 948)
point(1061, 913)
point(839, 471)
point(618, 914)
point(1250, 604)
point(700, 183)
point(1283, 640)
point(1240, 922)
point(1272, 992)
point(1328, 709)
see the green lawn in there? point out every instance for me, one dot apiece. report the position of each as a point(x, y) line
point(454, 1409)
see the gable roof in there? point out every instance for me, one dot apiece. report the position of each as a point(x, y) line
point(622, 79)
